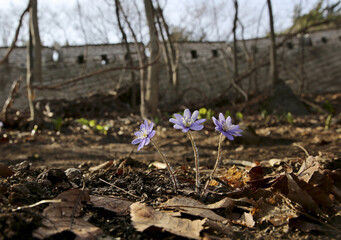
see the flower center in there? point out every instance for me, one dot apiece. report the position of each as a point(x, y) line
point(225, 126)
point(187, 122)
point(143, 134)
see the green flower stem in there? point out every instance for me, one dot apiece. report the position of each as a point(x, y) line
point(168, 166)
point(196, 159)
point(215, 165)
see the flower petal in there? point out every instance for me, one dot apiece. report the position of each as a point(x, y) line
point(221, 117)
point(147, 141)
point(199, 121)
point(237, 134)
point(196, 127)
point(219, 129)
point(185, 130)
point(175, 121)
point(187, 113)
point(177, 126)
point(141, 145)
point(151, 134)
point(178, 117)
point(228, 120)
point(216, 122)
point(228, 135)
point(195, 115)
point(136, 141)
point(151, 126)
point(142, 126)
point(146, 124)
point(137, 134)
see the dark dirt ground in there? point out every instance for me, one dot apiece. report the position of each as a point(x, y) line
point(39, 160)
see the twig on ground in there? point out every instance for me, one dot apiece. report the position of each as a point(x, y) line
point(133, 195)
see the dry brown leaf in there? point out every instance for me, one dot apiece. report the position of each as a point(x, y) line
point(246, 220)
point(143, 217)
point(120, 207)
point(5, 171)
point(220, 227)
point(309, 167)
point(158, 165)
point(234, 177)
point(196, 208)
point(64, 216)
point(299, 195)
point(223, 203)
point(302, 193)
point(277, 215)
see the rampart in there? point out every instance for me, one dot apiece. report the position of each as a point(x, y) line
point(204, 69)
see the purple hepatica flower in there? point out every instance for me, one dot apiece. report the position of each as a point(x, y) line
point(226, 128)
point(187, 121)
point(144, 135)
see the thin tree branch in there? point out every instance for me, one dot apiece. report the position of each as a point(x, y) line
point(10, 49)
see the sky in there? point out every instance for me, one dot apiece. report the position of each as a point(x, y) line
point(78, 22)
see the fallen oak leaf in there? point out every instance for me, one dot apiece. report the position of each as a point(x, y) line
point(220, 228)
point(309, 167)
point(245, 220)
point(144, 217)
point(120, 207)
point(278, 215)
point(65, 216)
point(194, 207)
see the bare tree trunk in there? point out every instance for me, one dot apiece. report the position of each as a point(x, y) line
point(30, 76)
point(174, 53)
point(166, 54)
point(33, 59)
point(273, 61)
point(152, 84)
point(128, 53)
point(283, 100)
point(302, 60)
point(235, 55)
point(141, 59)
point(35, 41)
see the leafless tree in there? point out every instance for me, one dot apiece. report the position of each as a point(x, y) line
point(171, 53)
point(141, 56)
point(152, 83)
point(128, 56)
point(273, 59)
point(235, 53)
point(33, 60)
point(14, 41)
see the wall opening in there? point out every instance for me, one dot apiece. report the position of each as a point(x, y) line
point(55, 56)
point(80, 59)
point(215, 53)
point(194, 54)
point(104, 60)
point(290, 45)
point(324, 40)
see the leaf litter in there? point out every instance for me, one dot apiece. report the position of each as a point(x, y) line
point(258, 199)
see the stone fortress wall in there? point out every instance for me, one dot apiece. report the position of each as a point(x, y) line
point(204, 70)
